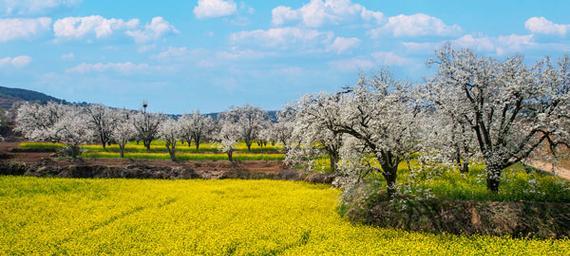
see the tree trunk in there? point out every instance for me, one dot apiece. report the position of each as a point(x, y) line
point(197, 141)
point(248, 144)
point(390, 175)
point(147, 144)
point(74, 151)
point(464, 167)
point(493, 178)
point(333, 158)
point(122, 150)
point(230, 155)
point(171, 147)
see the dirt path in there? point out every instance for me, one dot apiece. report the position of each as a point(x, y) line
point(547, 167)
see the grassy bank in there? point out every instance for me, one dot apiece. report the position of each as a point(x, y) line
point(207, 151)
point(157, 146)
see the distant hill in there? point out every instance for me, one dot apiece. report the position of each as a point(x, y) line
point(272, 114)
point(9, 96)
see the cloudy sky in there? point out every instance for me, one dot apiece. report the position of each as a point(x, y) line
point(211, 54)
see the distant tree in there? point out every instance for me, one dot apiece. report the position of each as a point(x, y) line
point(147, 125)
point(314, 130)
point(122, 132)
point(283, 129)
point(447, 138)
point(266, 135)
point(35, 121)
point(509, 108)
point(170, 131)
point(101, 119)
point(248, 119)
point(73, 130)
point(196, 127)
point(228, 136)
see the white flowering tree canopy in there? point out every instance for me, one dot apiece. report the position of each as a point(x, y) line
point(282, 131)
point(510, 108)
point(313, 131)
point(147, 125)
point(72, 130)
point(123, 131)
point(35, 121)
point(101, 120)
point(229, 135)
point(248, 119)
point(382, 113)
point(170, 131)
point(195, 127)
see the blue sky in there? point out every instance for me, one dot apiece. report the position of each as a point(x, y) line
point(211, 54)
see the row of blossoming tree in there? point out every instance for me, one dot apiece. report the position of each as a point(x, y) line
point(74, 125)
point(473, 109)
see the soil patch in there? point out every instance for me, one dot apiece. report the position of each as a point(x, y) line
point(47, 164)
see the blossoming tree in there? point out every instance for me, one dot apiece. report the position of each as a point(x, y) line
point(509, 107)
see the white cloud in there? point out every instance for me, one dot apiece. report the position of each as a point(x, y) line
point(13, 29)
point(156, 29)
point(318, 13)
point(17, 62)
point(418, 24)
point(101, 27)
point(31, 7)
point(237, 54)
point(343, 44)
point(353, 64)
point(81, 27)
point(214, 8)
point(287, 37)
point(390, 59)
point(172, 53)
point(119, 67)
point(282, 14)
point(501, 45)
point(514, 43)
point(541, 25)
point(376, 59)
point(68, 56)
point(479, 43)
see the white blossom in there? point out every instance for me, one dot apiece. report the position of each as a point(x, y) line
point(170, 131)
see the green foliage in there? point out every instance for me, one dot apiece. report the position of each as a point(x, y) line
point(240, 156)
point(41, 146)
point(51, 216)
point(207, 151)
point(517, 183)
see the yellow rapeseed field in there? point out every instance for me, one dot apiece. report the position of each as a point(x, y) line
point(46, 216)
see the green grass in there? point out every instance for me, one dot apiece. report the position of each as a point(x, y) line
point(40, 146)
point(46, 216)
point(445, 183)
point(240, 156)
point(517, 183)
point(207, 151)
point(157, 146)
